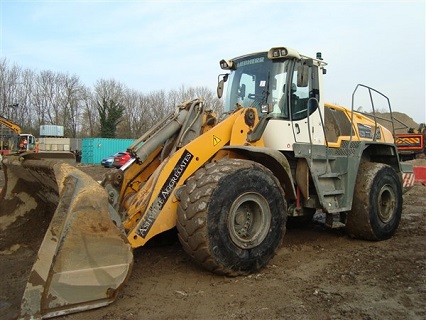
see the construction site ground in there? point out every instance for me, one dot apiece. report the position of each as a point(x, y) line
point(318, 273)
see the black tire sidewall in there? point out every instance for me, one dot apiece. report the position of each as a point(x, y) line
point(229, 188)
point(385, 176)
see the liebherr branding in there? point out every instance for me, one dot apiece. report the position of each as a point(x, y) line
point(165, 193)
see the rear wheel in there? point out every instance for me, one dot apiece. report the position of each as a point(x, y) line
point(377, 203)
point(232, 216)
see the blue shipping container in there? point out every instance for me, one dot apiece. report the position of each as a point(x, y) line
point(95, 149)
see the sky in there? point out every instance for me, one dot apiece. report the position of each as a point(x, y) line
point(164, 45)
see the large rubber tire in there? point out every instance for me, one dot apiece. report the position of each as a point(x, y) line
point(232, 216)
point(377, 203)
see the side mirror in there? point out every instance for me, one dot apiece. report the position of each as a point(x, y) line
point(312, 105)
point(220, 88)
point(302, 75)
point(220, 85)
point(266, 108)
point(242, 91)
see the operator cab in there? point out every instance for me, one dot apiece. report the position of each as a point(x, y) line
point(284, 87)
point(27, 142)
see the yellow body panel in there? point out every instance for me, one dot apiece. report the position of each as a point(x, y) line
point(358, 118)
point(154, 208)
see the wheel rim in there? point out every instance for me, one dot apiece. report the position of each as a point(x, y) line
point(249, 220)
point(386, 203)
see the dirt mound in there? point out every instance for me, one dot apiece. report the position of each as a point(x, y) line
point(418, 162)
point(402, 122)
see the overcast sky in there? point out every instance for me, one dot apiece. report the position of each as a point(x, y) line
point(154, 45)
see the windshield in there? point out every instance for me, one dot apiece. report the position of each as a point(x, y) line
point(259, 81)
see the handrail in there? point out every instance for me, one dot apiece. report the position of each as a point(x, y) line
point(375, 117)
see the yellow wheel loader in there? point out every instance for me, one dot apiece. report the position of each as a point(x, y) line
point(227, 185)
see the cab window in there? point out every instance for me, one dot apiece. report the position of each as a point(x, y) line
point(300, 95)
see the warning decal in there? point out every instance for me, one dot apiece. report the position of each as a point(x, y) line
point(216, 140)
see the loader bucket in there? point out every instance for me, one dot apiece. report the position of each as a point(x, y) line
point(55, 213)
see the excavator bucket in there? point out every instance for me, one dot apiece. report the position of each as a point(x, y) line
point(55, 213)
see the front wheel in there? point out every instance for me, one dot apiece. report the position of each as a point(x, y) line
point(377, 203)
point(232, 216)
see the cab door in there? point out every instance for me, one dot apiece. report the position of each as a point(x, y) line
point(299, 119)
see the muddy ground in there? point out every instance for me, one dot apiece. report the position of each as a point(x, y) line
point(317, 274)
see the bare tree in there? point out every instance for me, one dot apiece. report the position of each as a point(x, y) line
point(209, 97)
point(73, 95)
point(9, 86)
point(89, 116)
point(25, 113)
point(32, 99)
point(109, 90)
point(44, 97)
point(158, 106)
point(133, 117)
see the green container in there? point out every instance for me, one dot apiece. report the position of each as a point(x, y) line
point(95, 149)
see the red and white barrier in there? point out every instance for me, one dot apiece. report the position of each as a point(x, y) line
point(419, 174)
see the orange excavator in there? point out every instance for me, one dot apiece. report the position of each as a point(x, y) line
point(13, 140)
